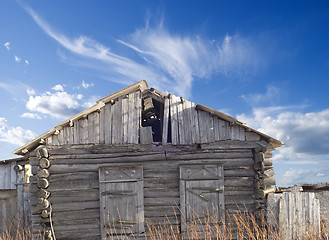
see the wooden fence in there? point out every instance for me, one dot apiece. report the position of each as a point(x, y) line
point(294, 213)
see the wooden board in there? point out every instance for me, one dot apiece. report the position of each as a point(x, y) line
point(165, 121)
point(201, 194)
point(121, 199)
point(174, 119)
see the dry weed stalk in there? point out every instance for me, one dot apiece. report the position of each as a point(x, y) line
point(240, 225)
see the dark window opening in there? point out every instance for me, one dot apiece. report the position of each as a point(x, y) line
point(152, 116)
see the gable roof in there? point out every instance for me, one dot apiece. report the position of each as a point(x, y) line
point(140, 86)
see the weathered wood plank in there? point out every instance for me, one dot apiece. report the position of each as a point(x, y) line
point(93, 127)
point(108, 112)
point(102, 125)
point(223, 131)
point(96, 127)
point(165, 121)
point(83, 130)
point(90, 124)
point(204, 126)
point(239, 181)
point(239, 172)
point(187, 118)
point(125, 117)
point(146, 136)
point(211, 130)
point(55, 140)
point(169, 201)
point(138, 121)
point(71, 206)
point(229, 144)
point(49, 140)
point(73, 176)
point(235, 132)
point(76, 131)
point(132, 116)
point(174, 120)
point(117, 122)
point(181, 123)
point(60, 137)
point(195, 125)
point(216, 128)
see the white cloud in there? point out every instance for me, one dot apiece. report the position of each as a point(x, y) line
point(7, 44)
point(13, 88)
point(30, 91)
point(302, 176)
point(17, 59)
point(60, 105)
point(27, 62)
point(3, 122)
point(30, 115)
point(268, 98)
point(306, 136)
point(166, 60)
point(86, 85)
point(14, 135)
point(58, 87)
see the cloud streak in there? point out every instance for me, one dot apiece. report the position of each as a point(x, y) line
point(162, 58)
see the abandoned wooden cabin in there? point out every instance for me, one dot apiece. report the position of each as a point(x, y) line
point(140, 157)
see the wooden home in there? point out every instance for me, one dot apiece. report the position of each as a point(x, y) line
point(141, 157)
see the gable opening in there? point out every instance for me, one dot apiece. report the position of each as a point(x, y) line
point(152, 116)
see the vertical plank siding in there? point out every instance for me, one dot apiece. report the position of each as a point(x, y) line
point(7, 176)
point(294, 213)
point(119, 122)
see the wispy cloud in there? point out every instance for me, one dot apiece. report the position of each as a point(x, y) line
point(31, 115)
point(86, 85)
point(164, 59)
point(14, 135)
point(7, 44)
point(27, 62)
point(7, 87)
point(270, 97)
point(17, 59)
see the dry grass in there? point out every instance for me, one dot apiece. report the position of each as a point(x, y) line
point(239, 226)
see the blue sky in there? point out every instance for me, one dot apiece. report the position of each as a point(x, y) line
point(264, 62)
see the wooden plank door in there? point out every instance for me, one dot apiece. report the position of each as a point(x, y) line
point(121, 200)
point(201, 195)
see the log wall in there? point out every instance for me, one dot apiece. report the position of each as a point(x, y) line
point(73, 183)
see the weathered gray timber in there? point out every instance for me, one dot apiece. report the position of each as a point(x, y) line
point(140, 157)
point(14, 195)
point(75, 183)
point(295, 213)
